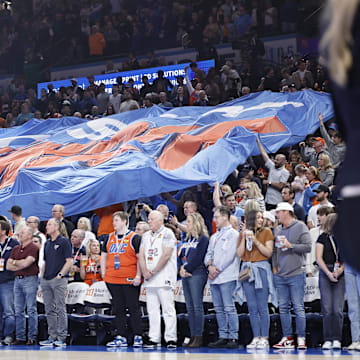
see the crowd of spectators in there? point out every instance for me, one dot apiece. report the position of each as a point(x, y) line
point(67, 32)
point(220, 84)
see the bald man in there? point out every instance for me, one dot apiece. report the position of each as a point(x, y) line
point(159, 267)
point(278, 176)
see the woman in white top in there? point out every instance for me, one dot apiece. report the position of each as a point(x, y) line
point(252, 191)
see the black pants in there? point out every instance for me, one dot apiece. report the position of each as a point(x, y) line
point(126, 296)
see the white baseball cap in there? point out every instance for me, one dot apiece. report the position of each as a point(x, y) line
point(284, 206)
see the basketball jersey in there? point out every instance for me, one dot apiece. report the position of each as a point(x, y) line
point(152, 244)
point(128, 259)
point(92, 272)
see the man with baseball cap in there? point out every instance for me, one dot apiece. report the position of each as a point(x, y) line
point(292, 241)
point(322, 194)
point(20, 222)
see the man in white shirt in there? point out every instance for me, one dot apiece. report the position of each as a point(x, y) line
point(322, 193)
point(277, 178)
point(158, 264)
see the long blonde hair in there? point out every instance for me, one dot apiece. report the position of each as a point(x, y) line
point(253, 191)
point(339, 17)
point(199, 227)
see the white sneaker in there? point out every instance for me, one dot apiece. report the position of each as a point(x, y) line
point(336, 345)
point(262, 344)
point(327, 345)
point(354, 346)
point(253, 344)
point(301, 343)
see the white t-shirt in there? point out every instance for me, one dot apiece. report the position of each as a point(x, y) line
point(152, 245)
point(312, 216)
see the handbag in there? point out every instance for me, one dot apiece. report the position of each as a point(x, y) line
point(245, 274)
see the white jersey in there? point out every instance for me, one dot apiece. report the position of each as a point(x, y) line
point(152, 244)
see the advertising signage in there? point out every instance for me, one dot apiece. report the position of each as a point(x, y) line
point(170, 72)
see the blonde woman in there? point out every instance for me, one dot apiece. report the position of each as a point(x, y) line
point(252, 191)
point(251, 205)
point(84, 224)
point(194, 274)
point(90, 265)
point(326, 170)
point(256, 244)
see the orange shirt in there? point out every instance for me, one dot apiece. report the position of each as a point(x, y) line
point(105, 214)
point(96, 44)
point(92, 272)
point(128, 260)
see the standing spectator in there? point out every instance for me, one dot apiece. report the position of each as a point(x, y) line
point(78, 250)
point(302, 74)
point(102, 98)
point(58, 212)
point(85, 224)
point(58, 261)
point(332, 285)
point(180, 99)
point(7, 283)
point(322, 199)
point(223, 267)
point(96, 42)
point(194, 275)
point(288, 195)
point(202, 100)
point(34, 223)
point(299, 183)
point(292, 243)
point(242, 21)
point(313, 157)
point(335, 144)
point(146, 88)
point(115, 98)
point(231, 81)
point(24, 262)
point(129, 103)
point(277, 178)
point(256, 243)
point(161, 83)
point(270, 17)
point(159, 268)
point(25, 114)
point(314, 181)
point(164, 101)
point(327, 173)
point(121, 272)
point(16, 213)
point(252, 191)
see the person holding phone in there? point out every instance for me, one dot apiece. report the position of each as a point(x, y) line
point(255, 247)
point(332, 284)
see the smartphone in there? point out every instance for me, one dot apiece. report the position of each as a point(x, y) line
point(171, 213)
point(140, 206)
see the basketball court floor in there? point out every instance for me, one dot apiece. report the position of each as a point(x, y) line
point(103, 353)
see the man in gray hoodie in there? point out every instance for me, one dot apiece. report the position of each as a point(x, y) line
point(292, 241)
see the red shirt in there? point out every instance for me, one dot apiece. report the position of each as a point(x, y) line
point(19, 253)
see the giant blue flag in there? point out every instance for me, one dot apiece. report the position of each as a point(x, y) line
point(85, 165)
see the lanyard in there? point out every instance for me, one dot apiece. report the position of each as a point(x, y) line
point(4, 248)
point(189, 246)
point(122, 240)
point(334, 248)
point(153, 238)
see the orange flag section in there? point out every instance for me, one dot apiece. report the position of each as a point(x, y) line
point(48, 154)
point(184, 147)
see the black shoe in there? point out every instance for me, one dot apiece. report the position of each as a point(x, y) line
point(232, 344)
point(148, 344)
point(221, 343)
point(171, 345)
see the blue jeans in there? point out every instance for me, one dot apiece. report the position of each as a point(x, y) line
point(352, 286)
point(257, 302)
point(290, 290)
point(25, 291)
point(224, 304)
point(193, 287)
point(7, 304)
point(332, 306)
